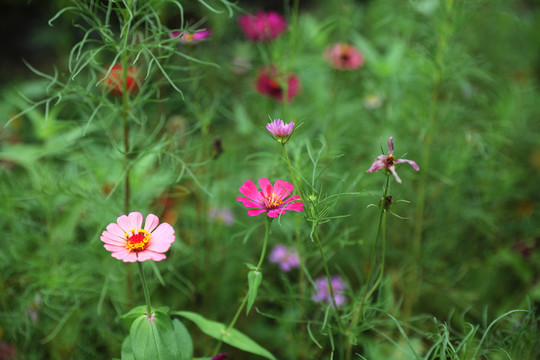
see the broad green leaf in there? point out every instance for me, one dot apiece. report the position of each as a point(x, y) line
point(133, 314)
point(183, 340)
point(127, 350)
point(254, 281)
point(154, 338)
point(232, 337)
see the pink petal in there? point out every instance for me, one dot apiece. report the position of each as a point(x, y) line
point(266, 186)
point(249, 203)
point(377, 164)
point(255, 212)
point(164, 232)
point(124, 223)
point(113, 248)
point(283, 188)
point(154, 256)
point(121, 254)
point(109, 238)
point(275, 213)
point(412, 163)
point(135, 220)
point(250, 190)
point(390, 146)
point(294, 207)
point(292, 198)
point(131, 257)
point(114, 229)
point(151, 222)
point(393, 171)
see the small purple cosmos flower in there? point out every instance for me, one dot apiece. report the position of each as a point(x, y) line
point(322, 293)
point(388, 161)
point(286, 257)
point(191, 37)
point(280, 130)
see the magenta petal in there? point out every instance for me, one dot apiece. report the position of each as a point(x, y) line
point(390, 146)
point(255, 212)
point(250, 190)
point(292, 198)
point(151, 222)
point(274, 213)
point(266, 186)
point(248, 203)
point(294, 207)
point(377, 164)
point(283, 188)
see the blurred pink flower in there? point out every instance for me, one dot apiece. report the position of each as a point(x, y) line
point(7, 352)
point(190, 37)
point(114, 82)
point(286, 257)
point(262, 26)
point(388, 161)
point(280, 130)
point(221, 215)
point(344, 57)
point(272, 199)
point(129, 242)
point(273, 84)
point(221, 356)
point(322, 292)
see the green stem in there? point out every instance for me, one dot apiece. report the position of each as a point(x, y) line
point(381, 232)
point(328, 278)
point(298, 190)
point(244, 300)
point(145, 290)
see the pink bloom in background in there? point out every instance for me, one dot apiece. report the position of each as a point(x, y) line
point(191, 37)
point(286, 257)
point(344, 57)
point(7, 352)
point(271, 83)
point(280, 130)
point(263, 26)
point(129, 242)
point(221, 356)
point(221, 216)
point(322, 292)
point(272, 199)
point(388, 161)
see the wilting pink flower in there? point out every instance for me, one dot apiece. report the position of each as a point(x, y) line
point(388, 161)
point(322, 292)
point(114, 82)
point(129, 242)
point(272, 199)
point(221, 215)
point(286, 257)
point(344, 57)
point(273, 84)
point(190, 37)
point(280, 130)
point(221, 356)
point(263, 26)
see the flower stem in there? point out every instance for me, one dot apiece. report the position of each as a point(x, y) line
point(244, 300)
point(381, 232)
point(329, 278)
point(298, 190)
point(145, 290)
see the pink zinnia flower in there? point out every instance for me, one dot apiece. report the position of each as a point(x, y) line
point(286, 257)
point(263, 26)
point(344, 57)
point(280, 130)
point(271, 83)
point(388, 161)
point(129, 242)
point(191, 37)
point(322, 291)
point(272, 199)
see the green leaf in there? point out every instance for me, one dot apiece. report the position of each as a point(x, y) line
point(183, 340)
point(154, 338)
point(133, 314)
point(254, 281)
point(127, 350)
point(232, 337)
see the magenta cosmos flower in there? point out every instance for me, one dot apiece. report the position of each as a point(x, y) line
point(273, 84)
point(388, 161)
point(280, 130)
point(129, 242)
point(344, 57)
point(286, 257)
point(322, 291)
point(270, 199)
point(191, 37)
point(263, 26)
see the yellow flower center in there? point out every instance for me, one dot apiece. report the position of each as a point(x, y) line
point(272, 201)
point(137, 240)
